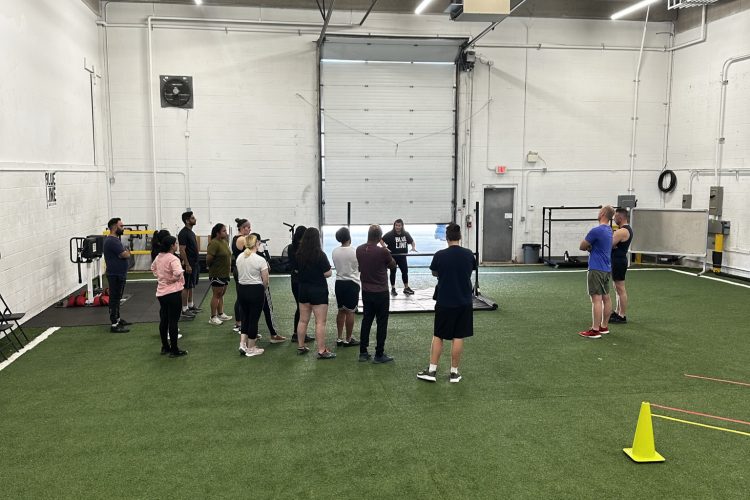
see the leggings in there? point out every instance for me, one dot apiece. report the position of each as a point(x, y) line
point(295, 292)
point(169, 314)
point(116, 290)
point(267, 309)
point(401, 262)
point(251, 298)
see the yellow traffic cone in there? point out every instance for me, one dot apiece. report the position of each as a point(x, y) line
point(643, 449)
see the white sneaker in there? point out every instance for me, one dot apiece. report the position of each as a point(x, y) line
point(224, 317)
point(236, 329)
point(215, 321)
point(254, 351)
point(179, 336)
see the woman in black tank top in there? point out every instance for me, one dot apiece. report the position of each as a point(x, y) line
point(243, 228)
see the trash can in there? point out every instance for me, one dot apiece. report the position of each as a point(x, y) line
point(531, 253)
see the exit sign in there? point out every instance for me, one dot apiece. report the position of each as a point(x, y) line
point(501, 169)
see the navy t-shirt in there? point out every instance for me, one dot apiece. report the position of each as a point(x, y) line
point(313, 272)
point(187, 238)
point(111, 250)
point(601, 248)
point(454, 266)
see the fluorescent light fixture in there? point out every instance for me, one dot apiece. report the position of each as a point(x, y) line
point(422, 6)
point(632, 8)
point(198, 2)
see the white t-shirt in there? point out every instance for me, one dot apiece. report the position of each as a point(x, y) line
point(345, 262)
point(249, 269)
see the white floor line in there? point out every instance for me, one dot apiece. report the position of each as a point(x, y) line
point(38, 340)
point(683, 272)
point(724, 281)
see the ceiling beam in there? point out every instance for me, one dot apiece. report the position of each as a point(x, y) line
point(325, 24)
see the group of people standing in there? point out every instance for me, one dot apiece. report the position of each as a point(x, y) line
point(608, 261)
point(364, 269)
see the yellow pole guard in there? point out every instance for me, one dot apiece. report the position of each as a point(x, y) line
point(718, 250)
point(128, 231)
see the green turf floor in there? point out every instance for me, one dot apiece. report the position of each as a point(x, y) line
point(540, 413)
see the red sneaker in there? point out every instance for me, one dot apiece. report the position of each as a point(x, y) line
point(590, 334)
point(604, 330)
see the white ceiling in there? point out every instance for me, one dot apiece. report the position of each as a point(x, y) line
point(580, 9)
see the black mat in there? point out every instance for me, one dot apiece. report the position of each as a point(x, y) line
point(422, 301)
point(141, 306)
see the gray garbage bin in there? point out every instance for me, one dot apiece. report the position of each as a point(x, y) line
point(531, 253)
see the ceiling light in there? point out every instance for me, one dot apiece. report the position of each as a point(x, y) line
point(198, 2)
point(632, 8)
point(422, 6)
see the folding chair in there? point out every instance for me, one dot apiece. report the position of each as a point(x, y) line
point(8, 316)
point(7, 328)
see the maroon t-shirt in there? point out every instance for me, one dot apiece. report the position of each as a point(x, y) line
point(373, 267)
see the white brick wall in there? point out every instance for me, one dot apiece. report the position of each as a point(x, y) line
point(46, 125)
point(694, 130)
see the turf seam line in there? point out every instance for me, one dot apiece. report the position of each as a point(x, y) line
point(717, 380)
point(700, 425)
point(38, 340)
point(701, 414)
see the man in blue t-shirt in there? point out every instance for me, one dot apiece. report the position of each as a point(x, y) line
point(454, 309)
point(598, 243)
point(117, 257)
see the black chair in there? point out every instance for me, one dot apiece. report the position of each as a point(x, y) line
point(8, 316)
point(6, 329)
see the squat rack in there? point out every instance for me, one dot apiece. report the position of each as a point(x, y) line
point(547, 220)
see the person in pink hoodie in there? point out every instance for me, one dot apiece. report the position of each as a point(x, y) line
point(171, 280)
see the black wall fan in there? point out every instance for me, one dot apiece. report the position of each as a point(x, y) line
point(176, 91)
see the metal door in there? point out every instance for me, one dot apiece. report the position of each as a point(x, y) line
point(497, 228)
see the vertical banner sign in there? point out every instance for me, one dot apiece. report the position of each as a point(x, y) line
point(49, 181)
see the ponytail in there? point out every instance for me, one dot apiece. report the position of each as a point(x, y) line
point(250, 241)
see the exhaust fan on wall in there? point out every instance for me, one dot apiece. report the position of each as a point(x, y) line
point(176, 91)
point(487, 11)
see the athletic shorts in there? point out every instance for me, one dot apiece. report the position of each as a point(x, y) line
point(619, 268)
point(598, 282)
point(219, 282)
point(191, 279)
point(312, 294)
point(454, 322)
point(347, 295)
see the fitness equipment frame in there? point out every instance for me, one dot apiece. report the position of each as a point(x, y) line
point(547, 220)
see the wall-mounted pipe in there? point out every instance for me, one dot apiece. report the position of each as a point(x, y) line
point(720, 139)
point(695, 173)
point(700, 39)
point(636, 92)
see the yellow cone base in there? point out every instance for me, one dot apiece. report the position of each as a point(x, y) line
point(655, 457)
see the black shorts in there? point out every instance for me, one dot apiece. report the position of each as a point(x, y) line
point(454, 322)
point(619, 268)
point(191, 279)
point(347, 294)
point(219, 282)
point(313, 294)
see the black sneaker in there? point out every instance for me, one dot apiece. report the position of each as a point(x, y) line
point(351, 342)
point(427, 375)
point(394, 292)
point(165, 350)
point(455, 378)
point(326, 355)
point(408, 291)
point(118, 329)
point(339, 342)
point(307, 338)
point(187, 315)
point(364, 356)
point(383, 358)
point(122, 322)
point(194, 310)
point(618, 319)
point(178, 353)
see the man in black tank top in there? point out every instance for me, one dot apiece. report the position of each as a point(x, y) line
point(620, 244)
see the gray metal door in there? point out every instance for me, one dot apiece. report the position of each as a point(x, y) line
point(497, 228)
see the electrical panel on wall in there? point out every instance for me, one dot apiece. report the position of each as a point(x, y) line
point(176, 91)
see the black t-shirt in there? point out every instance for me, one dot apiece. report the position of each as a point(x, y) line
point(313, 273)
point(293, 269)
point(454, 266)
point(398, 243)
point(187, 238)
point(111, 251)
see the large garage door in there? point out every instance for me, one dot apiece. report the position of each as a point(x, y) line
point(388, 137)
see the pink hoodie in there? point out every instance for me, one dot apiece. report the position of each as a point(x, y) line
point(169, 273)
